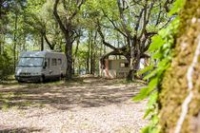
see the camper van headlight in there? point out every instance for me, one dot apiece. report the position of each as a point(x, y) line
point(18, 72)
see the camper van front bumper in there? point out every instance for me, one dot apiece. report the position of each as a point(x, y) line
point(28, 78)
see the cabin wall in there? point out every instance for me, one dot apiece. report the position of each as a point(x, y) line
point(115, 68)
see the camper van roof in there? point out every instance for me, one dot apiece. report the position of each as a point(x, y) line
point(35, 53)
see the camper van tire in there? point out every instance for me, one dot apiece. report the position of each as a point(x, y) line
point(19, 81)
point(42, 79)
point(61, 77)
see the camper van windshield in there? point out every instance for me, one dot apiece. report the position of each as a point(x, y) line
point(30, 62)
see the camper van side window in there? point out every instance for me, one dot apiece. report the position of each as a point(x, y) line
point(54, 62)
point(59, 61)
point(124, 64)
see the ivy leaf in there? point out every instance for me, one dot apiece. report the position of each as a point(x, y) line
point(157, 55)
point(163, 64)
point(151, 103)
point(177, 6)
point(147, 112)
point(152, 99)
point(146, 69)
point(151, 74)
point(144, 93)
point(157, 42)
point(146, 129)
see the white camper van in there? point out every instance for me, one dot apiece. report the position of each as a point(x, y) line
point(40, 66)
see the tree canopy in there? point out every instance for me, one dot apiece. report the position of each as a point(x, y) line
point(99, 28)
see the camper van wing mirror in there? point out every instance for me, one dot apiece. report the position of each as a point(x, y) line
point(45, 65)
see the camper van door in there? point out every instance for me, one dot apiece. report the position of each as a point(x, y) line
point(53, 64)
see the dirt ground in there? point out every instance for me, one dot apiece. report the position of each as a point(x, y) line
point(86, 105)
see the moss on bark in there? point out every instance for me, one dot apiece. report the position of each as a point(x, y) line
point(174, 87)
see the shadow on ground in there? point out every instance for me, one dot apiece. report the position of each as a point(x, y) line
point(83, 93)
point(19, 130)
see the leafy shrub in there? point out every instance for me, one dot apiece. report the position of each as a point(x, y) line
point(6, 67)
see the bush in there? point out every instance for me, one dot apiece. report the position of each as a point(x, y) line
point(6, 67)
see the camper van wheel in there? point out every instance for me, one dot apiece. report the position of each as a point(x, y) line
point(61, 77)
point(19, 81)
point(41, 79)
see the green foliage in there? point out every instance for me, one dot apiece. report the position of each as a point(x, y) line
point(178, 5)
point(6, 68)
point(162, 50)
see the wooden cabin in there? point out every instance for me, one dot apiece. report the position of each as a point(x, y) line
point(114, 68)
point(117, 66)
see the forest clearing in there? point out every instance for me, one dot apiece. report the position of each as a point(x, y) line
point(116, 41)
point(85, 105)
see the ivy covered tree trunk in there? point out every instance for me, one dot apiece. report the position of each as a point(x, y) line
point(180, 91)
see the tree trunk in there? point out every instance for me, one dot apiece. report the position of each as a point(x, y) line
point(88, 60)
point(179, 98)
point(92, 58)
point(131, 60)
point(15, 42)
point(0, 45)
point(94, 53)
point(134, 59)
point(134, 65)
point(68, 31)
point(68, 51)
point(42, 42)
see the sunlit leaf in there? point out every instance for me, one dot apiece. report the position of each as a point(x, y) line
point(177, 6)
point(147, 90)
point(157, 42)
point(146, 69)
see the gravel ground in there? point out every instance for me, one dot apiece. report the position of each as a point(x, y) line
point(89, 106)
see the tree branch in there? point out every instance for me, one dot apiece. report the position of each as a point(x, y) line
point(159, 14)
point(166, 7)
point(138, 22)
point(112, 22)
point(62, 27)
point(79, 3)
point(51, 46)
point(103, 38)
point(128, 32)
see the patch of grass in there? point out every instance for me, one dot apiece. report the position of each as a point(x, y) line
point(5, 107)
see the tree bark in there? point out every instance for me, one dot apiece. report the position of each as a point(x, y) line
point(94, 53)
point(68, 46)
point(68, 29)
point(15, 41)
point(1, 9)
point(1, 44)
point(42, 42)
point(51, 46)
point(134, 59)
point(179, 97)
point(68, 51)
